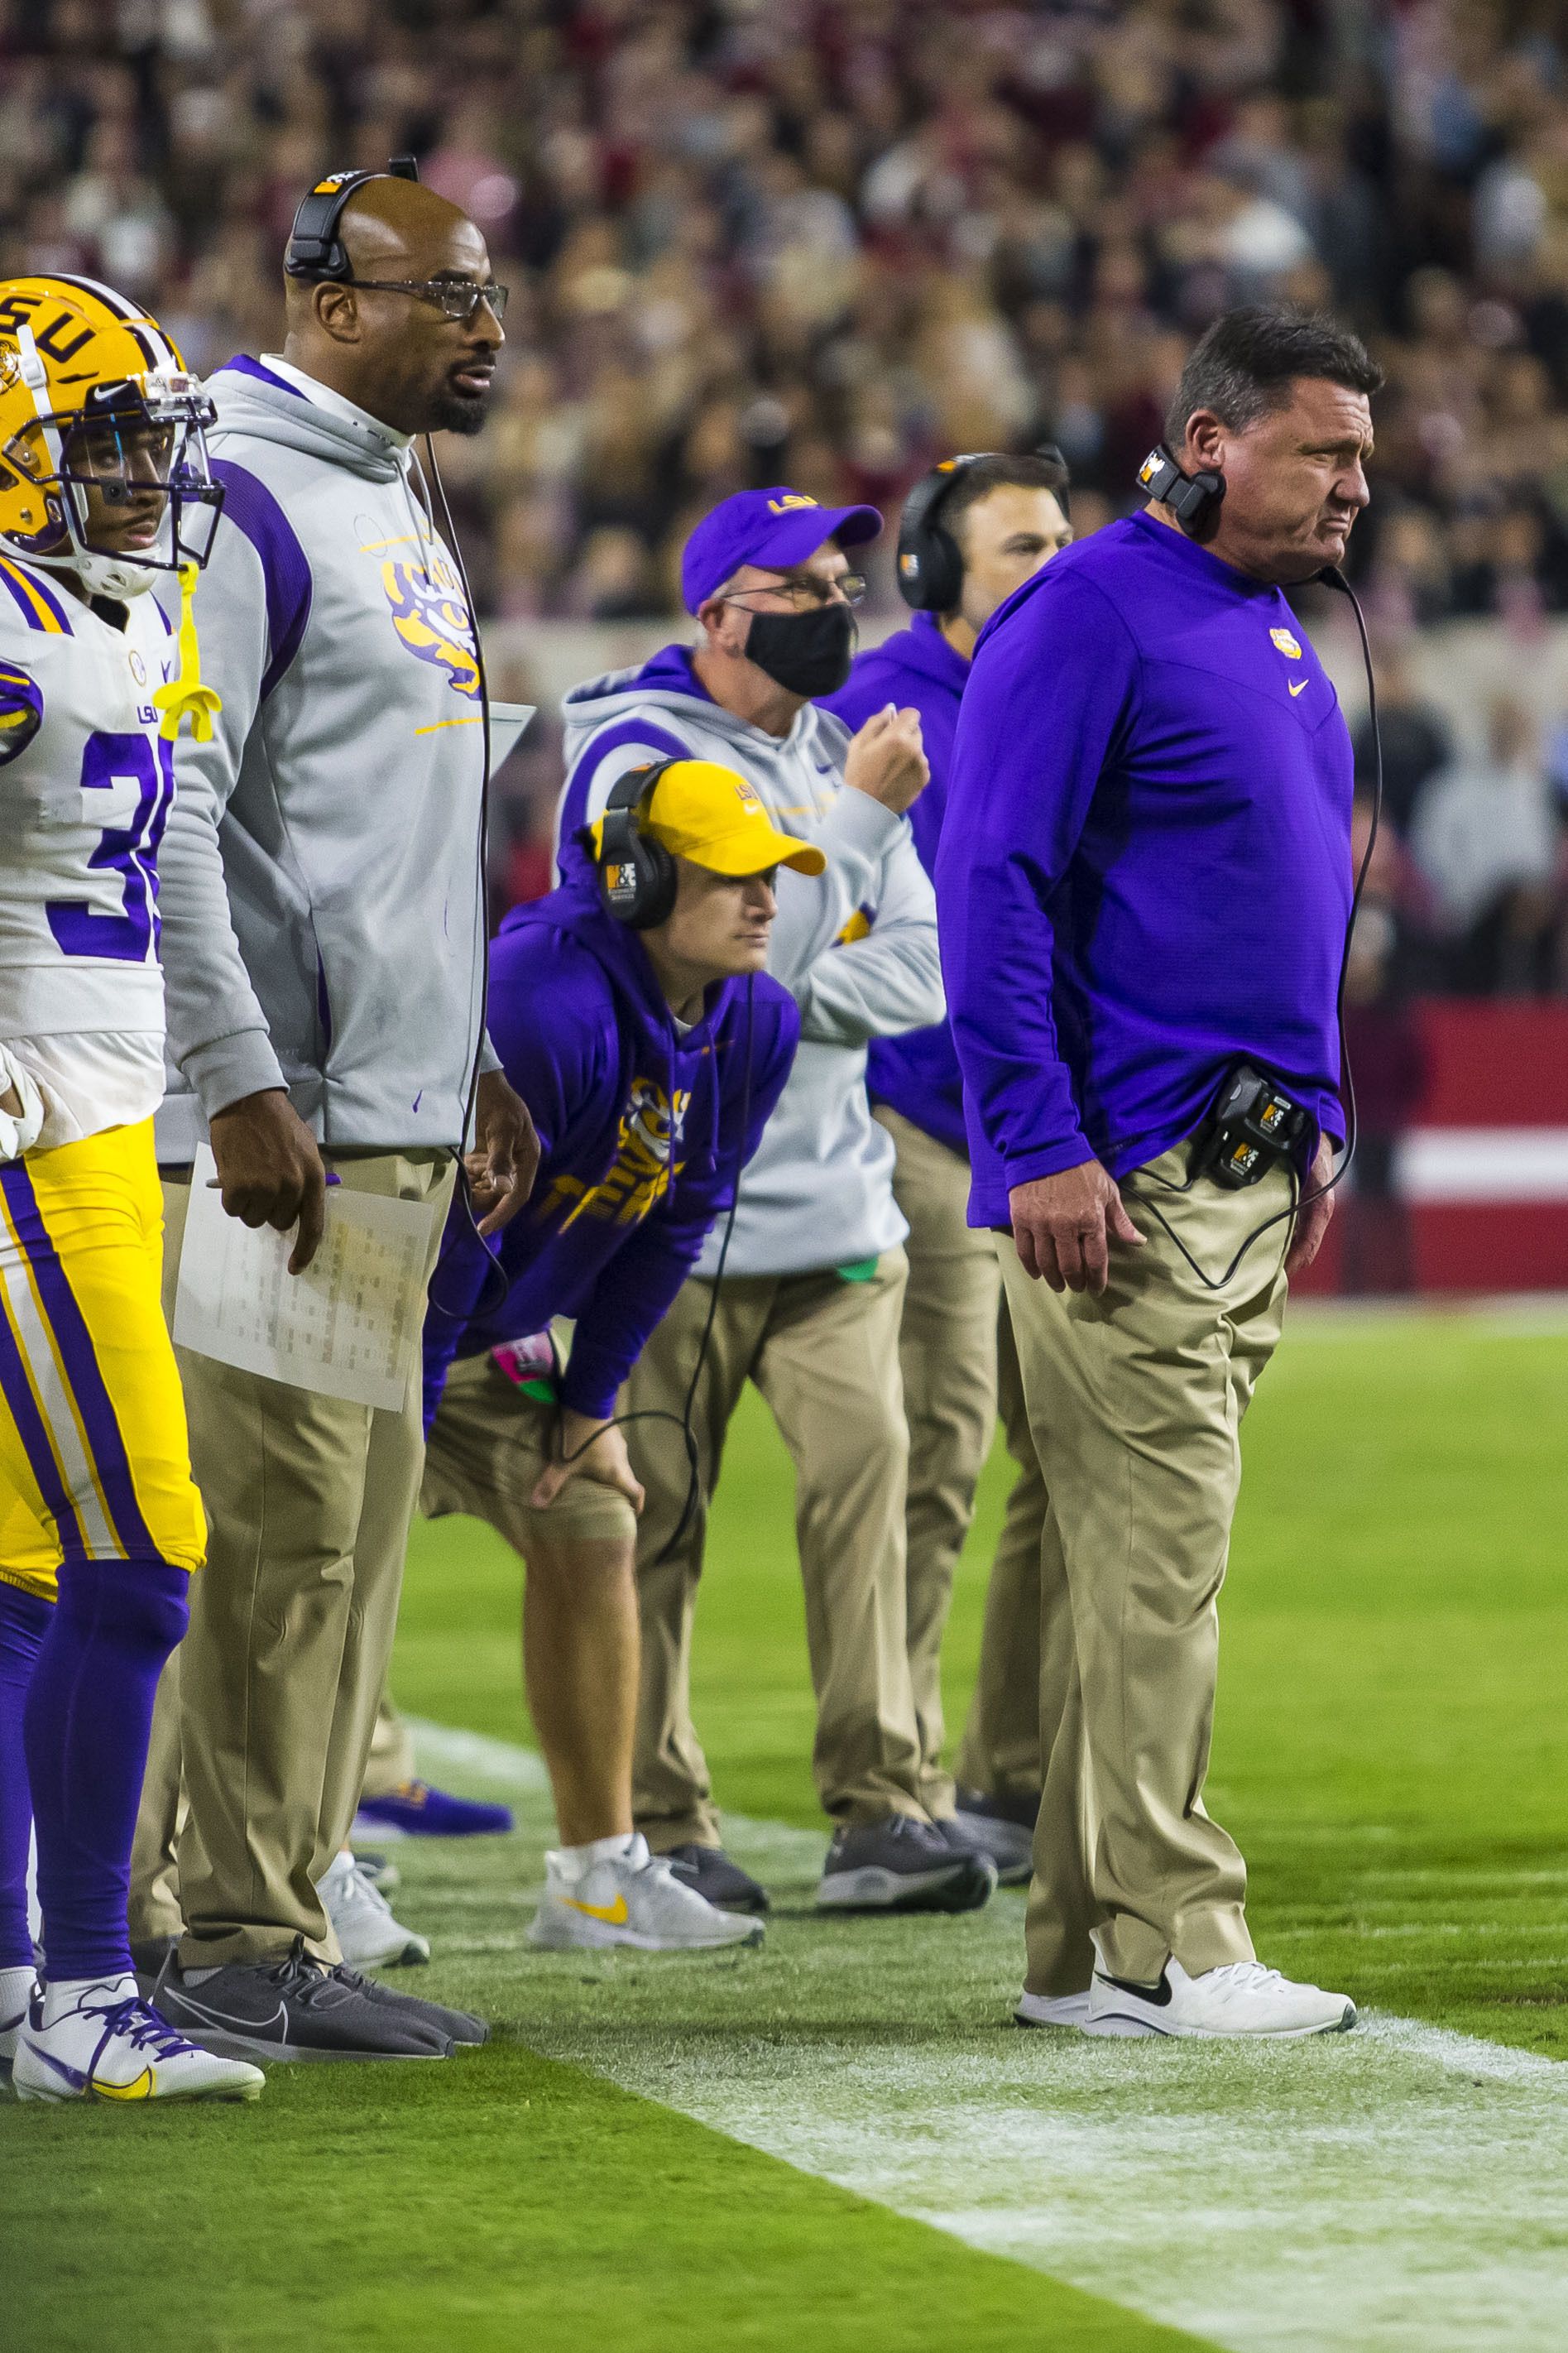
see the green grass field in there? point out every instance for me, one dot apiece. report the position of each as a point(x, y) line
point(1391, 1751)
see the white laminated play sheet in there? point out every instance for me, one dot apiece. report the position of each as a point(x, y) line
point(348, 1327)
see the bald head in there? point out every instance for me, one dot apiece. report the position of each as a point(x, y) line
point(393, 351)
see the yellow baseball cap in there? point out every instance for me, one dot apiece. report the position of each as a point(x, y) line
point(714, 817)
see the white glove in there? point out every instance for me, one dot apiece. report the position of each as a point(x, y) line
point(19, 1130)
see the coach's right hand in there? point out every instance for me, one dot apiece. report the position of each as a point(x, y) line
point(887, 759)
point(1063, 1226)
point(269, 1170)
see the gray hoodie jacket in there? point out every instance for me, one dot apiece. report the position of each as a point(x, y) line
point(857, 949)
point(320, 891)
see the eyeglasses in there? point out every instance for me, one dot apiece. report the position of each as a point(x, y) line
point(458, 297)
point(801, 592)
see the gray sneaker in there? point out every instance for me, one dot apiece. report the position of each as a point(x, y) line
point(461, 2030)
point(903, 1865)
point(1009, 1844)
point(296, 2008)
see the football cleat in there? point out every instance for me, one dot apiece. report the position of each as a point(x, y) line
point(368, 1936)
point(379, 1868)
point(1242, 1998)
point(902, 1864)
point(107, 2043)
point(414, 1809)
point(634, 1899)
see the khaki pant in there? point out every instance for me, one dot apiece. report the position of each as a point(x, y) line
point(489, 1444)
point(1135, 1400)
point(1000, 1754)
point(947, 1353)
point(823, 1354)
point(282, 1671)
point(391, 1760)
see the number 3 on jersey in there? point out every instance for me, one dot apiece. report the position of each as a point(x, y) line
point(128, 851)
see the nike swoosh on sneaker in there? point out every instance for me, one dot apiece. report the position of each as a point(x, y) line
point(1157, 1996)
point(63, 2069)
point(231, 2025)
point(615, 1916)
point(1299, 688)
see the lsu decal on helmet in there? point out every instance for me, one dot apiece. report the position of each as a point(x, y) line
point(98, 414)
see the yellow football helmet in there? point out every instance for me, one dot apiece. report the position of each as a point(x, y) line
point(95, 398)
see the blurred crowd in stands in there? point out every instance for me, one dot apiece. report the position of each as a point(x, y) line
point(826, 240)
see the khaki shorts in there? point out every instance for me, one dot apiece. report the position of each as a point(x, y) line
point(490, 1444)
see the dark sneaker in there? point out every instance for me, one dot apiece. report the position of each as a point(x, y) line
point(1010, 1844)
point(457, 2025)
point(1004, 1806)
point(149, 1955)
point(416, 1810)
point(296, 2008)
point(717, 1880)
point(903, 1865)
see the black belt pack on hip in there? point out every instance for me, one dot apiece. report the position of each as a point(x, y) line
point(1252, 1124)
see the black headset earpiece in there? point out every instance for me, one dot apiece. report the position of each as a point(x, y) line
point(314, 248)
point(637, 873)
point(930, 569)
point(1193, 499)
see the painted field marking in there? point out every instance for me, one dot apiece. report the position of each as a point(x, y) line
point(1400, 2189)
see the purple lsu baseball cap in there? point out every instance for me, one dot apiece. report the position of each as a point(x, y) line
point(775, 528)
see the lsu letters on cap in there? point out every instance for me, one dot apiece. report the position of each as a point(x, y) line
point(775, 528)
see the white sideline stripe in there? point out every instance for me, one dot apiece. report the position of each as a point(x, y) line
point(1400, 2189)
point(1484, 1163)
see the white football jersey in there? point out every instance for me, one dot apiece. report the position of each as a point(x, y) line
point(86, 781)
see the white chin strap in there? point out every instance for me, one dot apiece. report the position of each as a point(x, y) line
point(101, 575)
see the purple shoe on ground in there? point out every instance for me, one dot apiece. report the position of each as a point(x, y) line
point(414, 1809)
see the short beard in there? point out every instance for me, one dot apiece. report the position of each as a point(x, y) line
point(459, 412)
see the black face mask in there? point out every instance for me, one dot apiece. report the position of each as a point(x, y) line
point(805, 653)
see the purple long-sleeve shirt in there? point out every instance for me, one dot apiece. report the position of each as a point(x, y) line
point(1145, 866)
point(916, 1074)
point(644, 1124)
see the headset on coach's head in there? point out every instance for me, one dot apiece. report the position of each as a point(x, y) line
point(931, 563)
point(637, 873)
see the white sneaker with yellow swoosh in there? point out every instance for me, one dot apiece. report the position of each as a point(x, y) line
point(102, 2041)
point(633, 1899)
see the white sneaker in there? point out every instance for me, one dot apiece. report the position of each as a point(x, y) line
point(630, 1899)
point(1052, 2010)
point(103, 2041)
point(16, 1989)
point(363, 1922)
point(1242, 1997)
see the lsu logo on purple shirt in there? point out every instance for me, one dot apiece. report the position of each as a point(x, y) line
point(430, 615)
point(643, 1168)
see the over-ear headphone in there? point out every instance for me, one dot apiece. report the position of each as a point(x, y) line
point(637, 873)
point(930, 569)
point(1193, 499)
point(930, 564)
point(314, 248)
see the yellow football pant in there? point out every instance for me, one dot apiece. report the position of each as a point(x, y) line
point(94, 1463)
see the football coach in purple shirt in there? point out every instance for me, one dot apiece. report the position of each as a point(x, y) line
point(1143, 887)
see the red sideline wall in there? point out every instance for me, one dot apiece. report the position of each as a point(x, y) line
point(1498, 1085)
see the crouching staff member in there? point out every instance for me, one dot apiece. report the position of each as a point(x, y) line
point(814, 1280)
point(631, 1006)
point(1145, 879)
point(973, 531)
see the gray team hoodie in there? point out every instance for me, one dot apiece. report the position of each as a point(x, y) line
point(321, 892)
point(857, 950)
